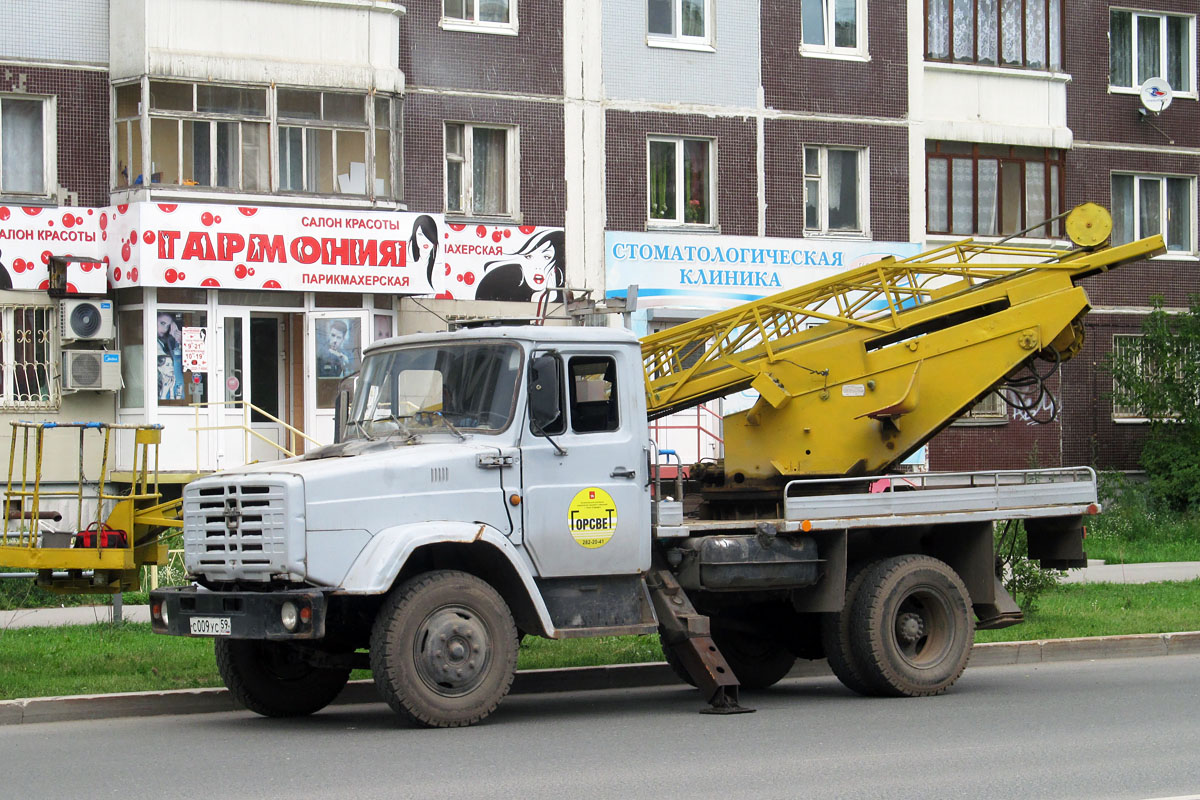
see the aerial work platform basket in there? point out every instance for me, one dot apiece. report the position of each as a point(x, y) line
point(117, 528)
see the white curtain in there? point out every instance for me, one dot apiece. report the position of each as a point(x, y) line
point(989, 180)
point(1010, 31)
point(22, 163)
point(1120, 48)
point(938, 28)
point(964, 30)
point(988, 23)
point(489, 171)
point(1035, 34)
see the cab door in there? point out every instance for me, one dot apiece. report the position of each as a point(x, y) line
point(586, 499)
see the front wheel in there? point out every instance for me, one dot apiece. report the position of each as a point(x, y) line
point(912, 626)
point(444, 649)
point(274, 679)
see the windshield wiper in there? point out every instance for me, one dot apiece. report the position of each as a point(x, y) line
point(401, 427)
point(358, 423)
point(462, 436)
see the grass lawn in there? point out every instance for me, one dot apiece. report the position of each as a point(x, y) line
point(93, 659)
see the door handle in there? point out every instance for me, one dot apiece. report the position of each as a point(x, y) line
point(621, 472)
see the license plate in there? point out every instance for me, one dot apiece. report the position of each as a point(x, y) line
point(210, 626)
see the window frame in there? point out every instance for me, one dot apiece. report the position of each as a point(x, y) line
point(863, 191)
point(49, 145)
point(475, 25)
point(1135, 79)
point(467, 185)
point(680, 220)
point(1050, 64)
point(50, 365)
point(1190, 249)
point(677, 39)
point(1052, 157)
point(860, 51)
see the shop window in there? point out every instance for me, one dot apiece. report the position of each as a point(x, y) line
point(1146, 45)
point(993, 190)
point(834, 198)
point(26, 145)
point(480, 16)
point(1005, 33)
point(339, 355)
point(680, 181)
point(480, 170)
point(129, 334)
point(836, 27)
point(593, 384)
point(1143, 205)
point(679, 23)
point(27, 357)
point(180, 334)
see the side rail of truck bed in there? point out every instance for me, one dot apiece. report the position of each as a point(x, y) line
point(940, 497)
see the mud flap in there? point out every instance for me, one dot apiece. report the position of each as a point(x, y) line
point(687, 633)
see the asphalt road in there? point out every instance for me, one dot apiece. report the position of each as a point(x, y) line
point(1127, 728)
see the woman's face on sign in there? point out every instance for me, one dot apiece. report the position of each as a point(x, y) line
point(424, 245)
point(537, 267)
point(164, 324)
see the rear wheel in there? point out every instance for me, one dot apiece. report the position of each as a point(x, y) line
point(274, 679)
point(444, 649)
point(835, 636)
point(912, 626)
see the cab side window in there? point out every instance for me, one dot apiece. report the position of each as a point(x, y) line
point(593, 385)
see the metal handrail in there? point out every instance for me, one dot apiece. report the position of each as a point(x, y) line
point(245, 426)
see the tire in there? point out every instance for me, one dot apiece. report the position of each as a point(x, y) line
point(757, 662)
point(460, 682)
point(912, 627)
point(272, 678)
point(835, 636)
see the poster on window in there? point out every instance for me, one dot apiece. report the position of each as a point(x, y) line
point(195, 349)
point(339, 346)
point(30, 235)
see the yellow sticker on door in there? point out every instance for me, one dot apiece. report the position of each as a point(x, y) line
point(592, 517)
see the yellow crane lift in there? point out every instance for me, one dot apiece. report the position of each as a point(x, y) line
point(866, 366)
point(105, 554)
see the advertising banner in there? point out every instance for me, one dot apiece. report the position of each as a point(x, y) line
point(29, 236)
point(259, 247)
point(706, 271)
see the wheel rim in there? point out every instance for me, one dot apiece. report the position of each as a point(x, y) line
point(922, 627)
point(452, 650)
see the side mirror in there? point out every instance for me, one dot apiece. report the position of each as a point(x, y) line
point(545, 405)
point(341, 406)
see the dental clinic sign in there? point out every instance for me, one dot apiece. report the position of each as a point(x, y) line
point(705, 271)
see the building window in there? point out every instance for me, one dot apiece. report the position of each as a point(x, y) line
point(1142, 46)
point(1143, 205)
point(1005, 33)
point(833, 26)
point(219, 137)
point(1127, 347)
point(480, 170)
point(993, 190)
point(482, 16)
point(679, 23)
point(681, 181)
point(833, 196)
point(991, 408)
point(25, 126)
point(27, 356)
point(176, 383)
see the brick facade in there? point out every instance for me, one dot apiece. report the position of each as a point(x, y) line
point(626, 169)
point(888, 163)
point(542, 189)
point(83, 125)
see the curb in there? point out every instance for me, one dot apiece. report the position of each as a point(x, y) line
point(578, 679)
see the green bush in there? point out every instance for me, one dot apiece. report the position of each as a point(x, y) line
point(1023, 578)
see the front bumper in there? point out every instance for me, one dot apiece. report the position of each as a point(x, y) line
point(250, 615)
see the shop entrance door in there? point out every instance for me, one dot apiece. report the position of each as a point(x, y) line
point(268, 387)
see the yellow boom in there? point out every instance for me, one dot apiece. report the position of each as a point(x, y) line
point(856, 371)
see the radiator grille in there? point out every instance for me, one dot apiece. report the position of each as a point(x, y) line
point(237, 528)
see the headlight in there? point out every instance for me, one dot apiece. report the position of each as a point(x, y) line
point(289, 615)
point(162, 612)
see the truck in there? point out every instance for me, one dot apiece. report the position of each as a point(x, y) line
point(496, 481)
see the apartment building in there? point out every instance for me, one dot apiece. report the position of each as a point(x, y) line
point(266, 206)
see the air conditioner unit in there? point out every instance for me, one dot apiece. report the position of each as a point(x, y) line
point(94, 370)
point(88, 319)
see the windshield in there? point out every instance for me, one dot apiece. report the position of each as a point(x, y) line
point(470, 386)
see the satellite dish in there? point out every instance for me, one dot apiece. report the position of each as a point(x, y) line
point(1156, 94)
